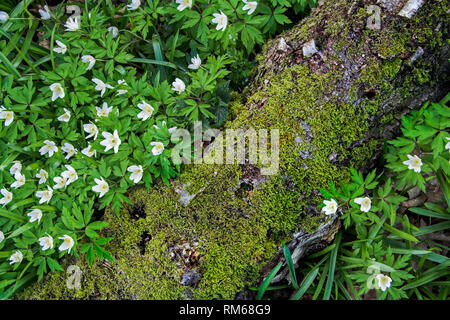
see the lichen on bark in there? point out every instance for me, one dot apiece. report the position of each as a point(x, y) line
point(334, 110)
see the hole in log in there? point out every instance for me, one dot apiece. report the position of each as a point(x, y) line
point(243, 189)
point(146, 237)
point(138, 211)
point(370, 94)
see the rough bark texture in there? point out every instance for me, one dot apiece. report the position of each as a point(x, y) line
point(218, 228)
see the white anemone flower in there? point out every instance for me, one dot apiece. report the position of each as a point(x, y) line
point(178, 85)
point(414, 163)
point(46, 242)
point(101, 86)
point(101, 186)
point(88, 59)
point(61, 182)
point(20, 180)
point(65, 117)
point(447, 146)
point(104, 110)
point(72, 24)
point(147, 111)
point(67, 243)
point(70, 174)
point(114, 31)
point(365, 203)
point(69, 149)
point(16, 167)
point(330, 207)
point(136, 173)
point(16, 257)
point(89, 151)
point(221, 20)
point(384, 281)
point(61, 48)
point(57, 90)
point(111, 141)
point(121, 91)
point(48, 147)
point(45, 14)
point(45, 196)
point(196, 62)
point(7, 197)
point(157, 149)
point(34, 215)
point(183, 4)
point(134, 4)
point(7, 115)
point(42, 175)
point(3, 16)
point(250, 6)
point(91, 129)
point(2, 236)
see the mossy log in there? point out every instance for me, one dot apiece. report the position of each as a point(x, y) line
point(219, 228)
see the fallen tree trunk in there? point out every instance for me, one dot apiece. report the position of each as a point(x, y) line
point(335, 87)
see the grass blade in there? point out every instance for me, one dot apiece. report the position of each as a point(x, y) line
point(11, 215)
point(429, 213)
point(306, 283)
point(9, 65)
point(400, 233)
point(425, 279)
point(290, 263)
point(267, 281)
point(155, 62)
point(332, 267)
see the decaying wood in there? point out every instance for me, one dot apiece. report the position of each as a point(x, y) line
point(292, 48)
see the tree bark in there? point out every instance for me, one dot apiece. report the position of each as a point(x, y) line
point(336, 86)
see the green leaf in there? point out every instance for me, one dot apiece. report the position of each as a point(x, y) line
point(332, 267)
point(306, 283)
point(290, 263)
point(400, 233)
point(11, 215)
point(20, 230)
point(421, 281)
point(9, 66)
point(267, 281)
